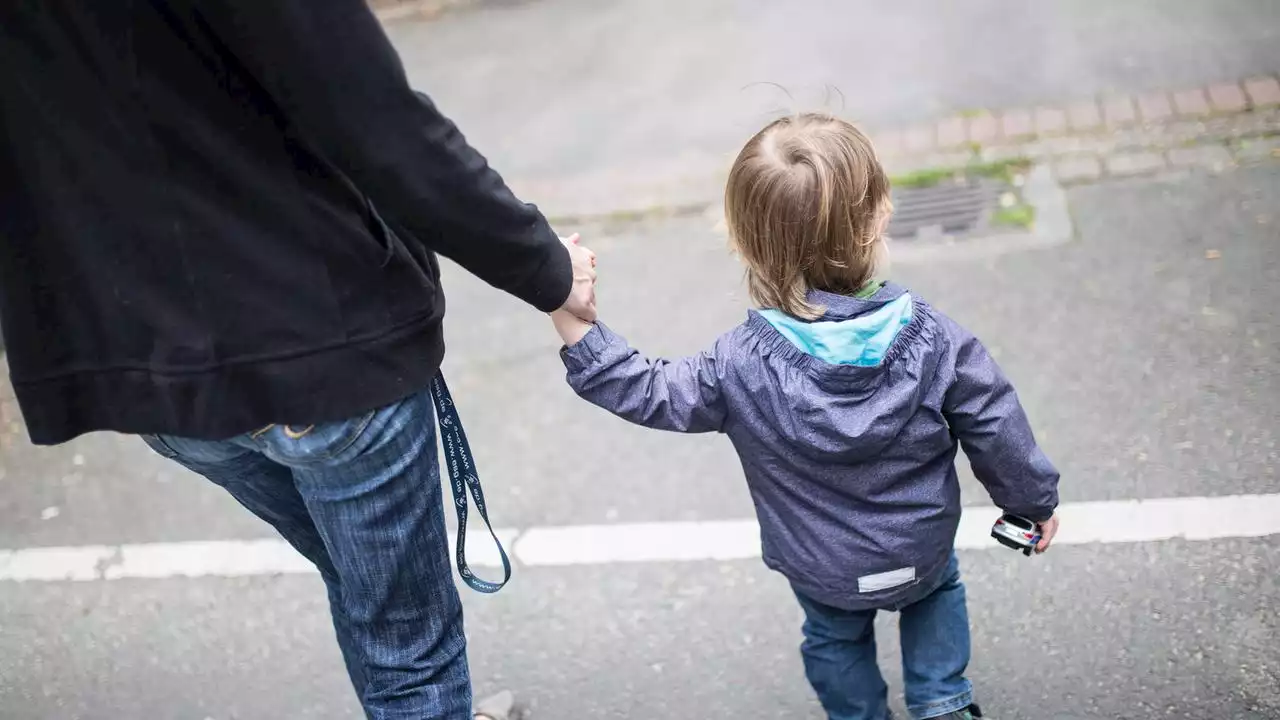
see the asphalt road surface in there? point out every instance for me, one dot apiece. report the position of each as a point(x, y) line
point(1149, 371)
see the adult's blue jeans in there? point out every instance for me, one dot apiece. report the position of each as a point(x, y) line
point(361, 500)
point(839, 652)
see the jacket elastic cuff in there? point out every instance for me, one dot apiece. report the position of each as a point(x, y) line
point(1039, 515)
point(585, 353)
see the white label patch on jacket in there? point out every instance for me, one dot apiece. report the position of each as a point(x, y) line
point(886, 580)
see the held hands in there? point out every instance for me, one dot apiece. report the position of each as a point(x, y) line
point(582, 296)
point(574, 319)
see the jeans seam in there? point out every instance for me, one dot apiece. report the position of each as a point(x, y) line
point(364, 425)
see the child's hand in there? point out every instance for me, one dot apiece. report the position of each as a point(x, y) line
point(582, 295)
point(571, 327)
point(1048, 529)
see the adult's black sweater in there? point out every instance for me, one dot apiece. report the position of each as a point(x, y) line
point(221, 214)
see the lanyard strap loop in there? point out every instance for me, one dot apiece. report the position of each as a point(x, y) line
point(464, 478)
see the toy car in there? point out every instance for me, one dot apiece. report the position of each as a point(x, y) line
point(1017, 532)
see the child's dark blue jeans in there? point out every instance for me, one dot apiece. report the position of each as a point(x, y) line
point(839, 652)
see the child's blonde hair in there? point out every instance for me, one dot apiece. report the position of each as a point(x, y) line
point(805, 205)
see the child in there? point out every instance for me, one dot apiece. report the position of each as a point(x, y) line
point(845, 397)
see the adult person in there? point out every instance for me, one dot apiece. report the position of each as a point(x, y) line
point(219, 222)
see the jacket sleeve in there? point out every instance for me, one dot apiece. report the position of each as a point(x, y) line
point(678, 395)
point(985, 416)
point(337, 79)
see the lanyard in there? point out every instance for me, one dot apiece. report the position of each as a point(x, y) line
point(463, 477)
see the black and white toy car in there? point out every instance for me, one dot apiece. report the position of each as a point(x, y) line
point(1017, 532)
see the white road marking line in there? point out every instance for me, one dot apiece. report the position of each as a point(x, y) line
point(1104, 522)
point(641, 542)
point(55, 563)
point(217, 558)
point(1131, 521)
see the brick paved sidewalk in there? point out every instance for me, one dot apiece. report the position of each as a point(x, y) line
point(1211, 126)
point(1215, 126)
point(1085, 139)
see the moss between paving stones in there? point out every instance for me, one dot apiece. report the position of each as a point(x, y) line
point(1003, 170)
point(923, 178)
point(1020, 216)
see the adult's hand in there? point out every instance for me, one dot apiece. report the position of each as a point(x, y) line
point(582, 297)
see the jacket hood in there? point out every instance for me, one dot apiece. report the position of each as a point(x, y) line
point(858, 336)
point(851, 376)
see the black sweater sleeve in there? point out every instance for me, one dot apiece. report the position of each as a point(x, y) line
point(336, 77)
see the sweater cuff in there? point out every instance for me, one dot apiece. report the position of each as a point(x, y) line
point(548, 287)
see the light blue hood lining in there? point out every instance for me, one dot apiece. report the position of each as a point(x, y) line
point(861, 341)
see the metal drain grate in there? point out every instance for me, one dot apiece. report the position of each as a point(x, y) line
point(951, 208)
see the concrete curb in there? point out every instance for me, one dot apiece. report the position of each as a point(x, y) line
point(1212, 126)
point(396, 10)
